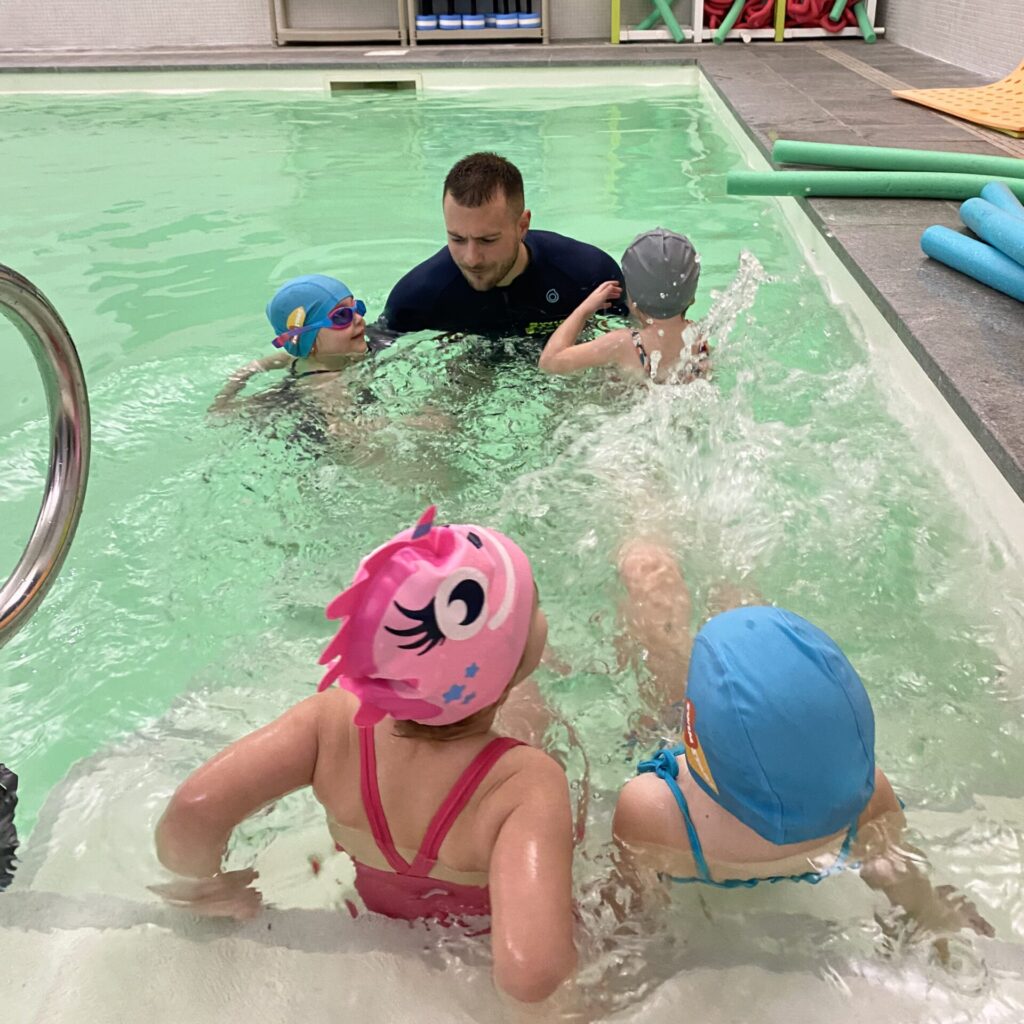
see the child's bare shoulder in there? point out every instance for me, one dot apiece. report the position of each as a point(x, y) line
point(646, 815)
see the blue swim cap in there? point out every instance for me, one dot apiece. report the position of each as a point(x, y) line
point(779, 729)
point(317, 295)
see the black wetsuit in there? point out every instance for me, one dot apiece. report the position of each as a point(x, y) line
point(560, 275)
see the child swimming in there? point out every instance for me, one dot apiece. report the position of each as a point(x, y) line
point(775, 777)
point(661, 270)
point(320, 329)
point(443, 818)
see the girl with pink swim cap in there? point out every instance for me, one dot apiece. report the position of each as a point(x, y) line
point(443, 817)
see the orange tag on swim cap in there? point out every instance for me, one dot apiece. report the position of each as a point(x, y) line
point(694, 752)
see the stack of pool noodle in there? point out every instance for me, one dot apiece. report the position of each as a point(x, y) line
point(992, 186)
point(831, 15)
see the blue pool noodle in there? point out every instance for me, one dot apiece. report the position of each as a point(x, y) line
point(999, 195)
point(975, 259)
point(1000, 229)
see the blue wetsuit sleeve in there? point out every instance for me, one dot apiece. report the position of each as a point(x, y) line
point(410, 306)
point(400, 313)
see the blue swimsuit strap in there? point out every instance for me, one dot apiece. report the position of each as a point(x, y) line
point(665, 766)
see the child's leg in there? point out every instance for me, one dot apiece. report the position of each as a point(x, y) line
point(725, 595)
point(656, 614)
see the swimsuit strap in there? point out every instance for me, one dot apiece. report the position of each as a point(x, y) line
point(458, 796)
point(292, 375)
point(645, 359)
point(665, 766)
point(371, 801)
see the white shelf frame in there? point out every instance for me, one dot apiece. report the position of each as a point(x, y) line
point(285, 33)
point(479, 35)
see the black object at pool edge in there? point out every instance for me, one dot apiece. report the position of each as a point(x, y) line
point(8, 833)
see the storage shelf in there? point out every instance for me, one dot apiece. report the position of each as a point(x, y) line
point(440, 36)
point(850, 32)
point(286, 33)
point(456, 35)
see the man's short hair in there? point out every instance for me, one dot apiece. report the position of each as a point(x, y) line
point(477, 178)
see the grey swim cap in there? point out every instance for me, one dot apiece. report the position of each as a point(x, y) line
point(661, 270)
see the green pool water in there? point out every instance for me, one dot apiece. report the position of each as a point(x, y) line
point(160, 226)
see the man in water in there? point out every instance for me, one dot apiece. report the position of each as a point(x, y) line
point(496, 276)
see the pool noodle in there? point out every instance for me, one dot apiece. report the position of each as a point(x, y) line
point(728, 21)
point(837, 10)
point(883, 158)
point(1000, 229)
point(866, 28)
point(650, 21)
point(975, 259)
point(669, 18)
point(999, 195)
point(885, 184)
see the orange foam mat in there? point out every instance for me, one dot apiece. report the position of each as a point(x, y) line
point(999, 105)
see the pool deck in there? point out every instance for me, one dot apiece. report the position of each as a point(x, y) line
point(968, 338)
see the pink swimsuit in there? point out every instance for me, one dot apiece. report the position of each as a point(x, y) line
point(407, 891)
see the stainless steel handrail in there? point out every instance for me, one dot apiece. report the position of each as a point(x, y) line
point(68, 403)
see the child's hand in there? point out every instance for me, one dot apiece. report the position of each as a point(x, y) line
point(228, 894)
point(960, 912)
point(602, 297)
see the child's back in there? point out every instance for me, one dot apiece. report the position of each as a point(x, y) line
point(776, 770)
point(444, 818)
point(776, 778)
point(438, 807)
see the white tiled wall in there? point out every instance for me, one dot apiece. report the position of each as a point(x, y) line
point(983, 35)
point(986, 36)
point(131, 24)
point(147, 24)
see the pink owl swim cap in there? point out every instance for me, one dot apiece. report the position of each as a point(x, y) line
point(434, 624)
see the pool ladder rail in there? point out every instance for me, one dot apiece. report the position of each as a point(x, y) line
point(68, 404)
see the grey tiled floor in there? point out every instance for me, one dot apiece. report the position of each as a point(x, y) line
point(968, 338)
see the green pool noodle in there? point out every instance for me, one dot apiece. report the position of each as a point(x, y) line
point(650, 21)
point(837, 10)
point(665, 10)
point(728, 21)
point(883, 158)
point(867, 30)
point(864, 184)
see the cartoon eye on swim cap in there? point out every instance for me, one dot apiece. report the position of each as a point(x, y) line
point(456, 612)
point(462, 604)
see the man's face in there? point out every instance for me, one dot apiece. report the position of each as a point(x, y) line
point(484, 240)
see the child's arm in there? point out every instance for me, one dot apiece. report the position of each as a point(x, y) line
point(237, 381)
point(894, 868)
point(561, 353)
point(193, 832)
point(530, 879)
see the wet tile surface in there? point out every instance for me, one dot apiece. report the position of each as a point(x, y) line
point(968, 338)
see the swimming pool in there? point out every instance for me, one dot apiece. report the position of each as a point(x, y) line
point(190, 608)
